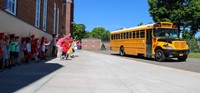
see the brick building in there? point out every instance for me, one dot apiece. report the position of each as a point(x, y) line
point(91, 44)
point(38, 17)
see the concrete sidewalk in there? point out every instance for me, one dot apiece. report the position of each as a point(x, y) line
point(97, 73)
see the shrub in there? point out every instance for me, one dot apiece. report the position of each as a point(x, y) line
point(103, 47)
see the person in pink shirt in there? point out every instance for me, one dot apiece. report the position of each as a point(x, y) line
point(59, 45)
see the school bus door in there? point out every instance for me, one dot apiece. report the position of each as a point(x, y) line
point(149, 43)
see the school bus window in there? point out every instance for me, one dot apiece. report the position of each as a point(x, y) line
point(130, 34)
point(142, 34)
point(127, 35)
point(133, 34)
point(137, 34)
point(111, 37)
point(118, 36)
point(122, 36)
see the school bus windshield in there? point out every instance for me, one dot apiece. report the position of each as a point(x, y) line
point(166, 32)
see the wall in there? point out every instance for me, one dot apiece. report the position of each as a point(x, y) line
point(91, 44)
point(26, 12)
point(12, 25)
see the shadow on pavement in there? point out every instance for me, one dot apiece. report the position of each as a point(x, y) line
point(170, 60)
point(21, 76)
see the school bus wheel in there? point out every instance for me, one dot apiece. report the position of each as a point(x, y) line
point(182, 58)
point(121, 52)
point(159, 55)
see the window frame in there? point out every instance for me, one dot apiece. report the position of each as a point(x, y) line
point(37, 13)
point(58, 20)
point(54, 21)
point(45, 9)
point(13, 12)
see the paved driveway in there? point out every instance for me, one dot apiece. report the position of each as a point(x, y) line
point(191, 64)
point(97, 73)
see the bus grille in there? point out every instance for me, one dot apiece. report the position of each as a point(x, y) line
point(180, 45)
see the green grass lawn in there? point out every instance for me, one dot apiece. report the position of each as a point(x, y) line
point(194, 55)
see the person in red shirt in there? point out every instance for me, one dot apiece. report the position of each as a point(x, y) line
point(37, 49)
point(32, 47)
point(79, 45)
point(1, 51)
point(65, 48)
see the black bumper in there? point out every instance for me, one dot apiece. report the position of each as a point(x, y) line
point(175, 53)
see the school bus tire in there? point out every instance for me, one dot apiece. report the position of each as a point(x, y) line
point(121, 52)
point(183, 58)
point(159, 55)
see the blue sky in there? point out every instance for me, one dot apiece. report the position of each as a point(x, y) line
point(111, 14)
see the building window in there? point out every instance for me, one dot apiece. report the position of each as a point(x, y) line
point(11, 6)
point(54, 22)
point(37, 13)
point(63, 6)
point(44, 26)
point(58, 13)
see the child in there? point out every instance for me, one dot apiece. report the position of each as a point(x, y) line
point(23, 47)
point(42, 47)
point(32, 47)
point(12, 50)
point(28, 50)
point(16, 57)
point(1, 51)
point(37, 51)
point(6, 52)
point(65, 48)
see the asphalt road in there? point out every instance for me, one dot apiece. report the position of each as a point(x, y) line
point(191, 64)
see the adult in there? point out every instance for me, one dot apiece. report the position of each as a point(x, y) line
point(53, 42)
point(59, 44)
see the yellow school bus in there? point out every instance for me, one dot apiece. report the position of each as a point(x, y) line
point(158, 40)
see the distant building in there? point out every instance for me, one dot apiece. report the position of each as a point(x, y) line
point(91, 44)
point(38, 17)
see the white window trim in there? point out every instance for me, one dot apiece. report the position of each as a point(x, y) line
point(44, 26)
point(36, 14)
point(58, 17)
point(54, 23)
point(15, 9)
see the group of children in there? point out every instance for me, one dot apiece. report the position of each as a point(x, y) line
point(10, 50)
point(68, 48)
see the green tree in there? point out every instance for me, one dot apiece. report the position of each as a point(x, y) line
point(186, 34)
point(184, 13)
point(140, 24)
point(100, 33)
point(79, 31)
